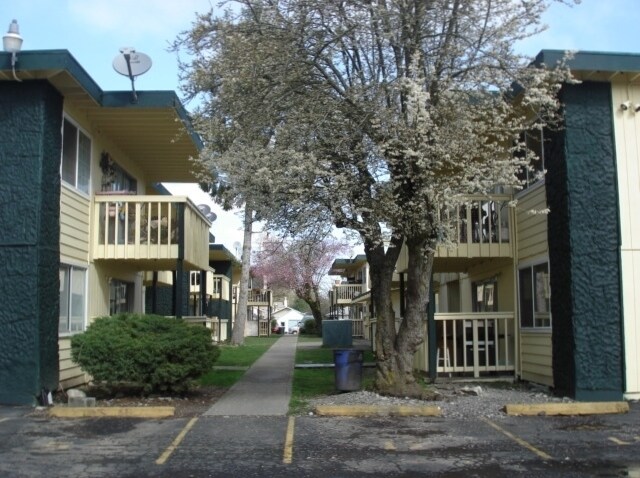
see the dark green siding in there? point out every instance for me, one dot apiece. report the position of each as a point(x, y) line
point(165, 298)
point(222, 308)
point(584, 248)
point(30, 145)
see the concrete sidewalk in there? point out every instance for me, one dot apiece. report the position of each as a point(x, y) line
point(265, 389)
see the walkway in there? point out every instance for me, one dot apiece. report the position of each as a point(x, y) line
point(265, 389)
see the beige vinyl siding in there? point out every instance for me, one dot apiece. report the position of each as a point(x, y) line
point(71, 375)
point(535, 357)
point(627, 139)
point(531, 223)
point(74, 224)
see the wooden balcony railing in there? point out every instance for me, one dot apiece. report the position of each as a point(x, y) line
point(217, 286)
point(467, 343)
point(259, 297)
point(155, 229)
point(476, 342)
point(481, 227)
point(344, 293)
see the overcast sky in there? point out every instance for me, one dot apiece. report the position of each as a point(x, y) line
point(95, 30)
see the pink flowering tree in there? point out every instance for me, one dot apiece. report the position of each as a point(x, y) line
point(300, 264)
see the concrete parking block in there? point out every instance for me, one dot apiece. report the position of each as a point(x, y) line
point(566, 409)
point(122, 412)
point(376, 410)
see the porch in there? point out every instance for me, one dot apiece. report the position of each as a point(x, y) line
point(467, 344)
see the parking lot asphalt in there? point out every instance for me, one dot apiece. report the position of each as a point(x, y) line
point(313, 446)
point(243, 442)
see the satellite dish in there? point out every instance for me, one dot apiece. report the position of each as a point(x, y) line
point(204, 209)
point(211, 216)
point(135, 65)
point(131, 63)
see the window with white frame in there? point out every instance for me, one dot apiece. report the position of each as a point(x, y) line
point(76, 157)
point(534, 296)
point(73, 293)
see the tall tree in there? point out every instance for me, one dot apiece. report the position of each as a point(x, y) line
point(389, 112)
point(300, 264)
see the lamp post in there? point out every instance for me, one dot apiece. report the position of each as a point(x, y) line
point(12, 43)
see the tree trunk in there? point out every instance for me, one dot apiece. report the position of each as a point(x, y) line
point(237, 337)
point(396, 349)
point(311, 295)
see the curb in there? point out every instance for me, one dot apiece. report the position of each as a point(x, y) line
point(566, 409)
point(119, 412)
point(379, 411)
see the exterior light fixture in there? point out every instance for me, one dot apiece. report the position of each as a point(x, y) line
point(12, 43)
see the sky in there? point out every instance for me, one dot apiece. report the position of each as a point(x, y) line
point(93, 31)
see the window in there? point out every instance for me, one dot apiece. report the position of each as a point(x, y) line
point(535, 142)
point(485, 296)
point(76, 157)
point(73, 287)
point(120, 297)
point(195, 278)
point(535, 296)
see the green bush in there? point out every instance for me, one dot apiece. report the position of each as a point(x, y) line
point(309, 327)
point(157, 353)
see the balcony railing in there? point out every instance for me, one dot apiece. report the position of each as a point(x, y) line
point(467, 343)
point(149, 228)
point(344, 293)
point(481, 227)
point(475, 342)
point(259, 297)
point(217, 286)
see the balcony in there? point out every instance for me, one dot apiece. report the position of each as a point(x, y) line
point(152, 232)
point(259, 297)
point(479, 229)
point(343, 294)
point(217, 286)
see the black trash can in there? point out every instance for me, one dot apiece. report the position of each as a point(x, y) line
point(348, 369)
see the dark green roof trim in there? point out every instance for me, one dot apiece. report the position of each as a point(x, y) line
point(39, 60)
point(54, 60)
point(592, 60)
point(227, 252)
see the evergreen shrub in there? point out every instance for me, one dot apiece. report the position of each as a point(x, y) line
point(159, 354)
point(309, 327)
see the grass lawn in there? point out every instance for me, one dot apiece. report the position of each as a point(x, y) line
point(245, 355)
point(320, 355)
point(242, 356)
point(314, 382)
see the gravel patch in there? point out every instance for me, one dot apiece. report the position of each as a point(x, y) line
point(457, 400)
